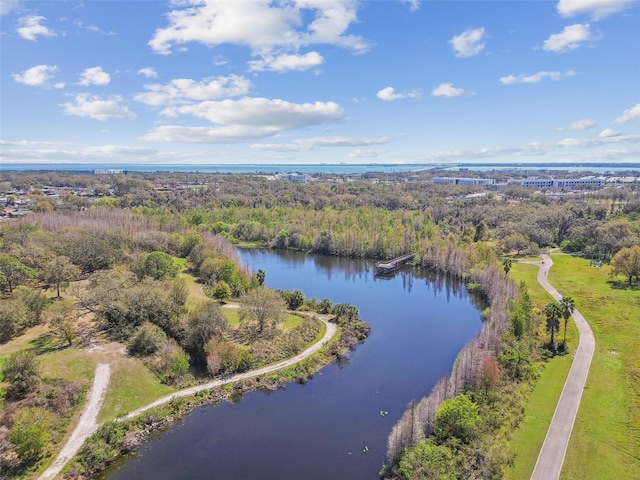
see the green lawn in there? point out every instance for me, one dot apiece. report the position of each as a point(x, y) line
point(605, 442)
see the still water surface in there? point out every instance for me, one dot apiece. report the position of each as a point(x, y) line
point(320, 430)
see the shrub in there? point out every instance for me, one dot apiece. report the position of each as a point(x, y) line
point(147, 340)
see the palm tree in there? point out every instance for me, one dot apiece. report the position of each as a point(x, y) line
point(506, 264)
point(567, 305)
point(261, 275)
point(553, 312)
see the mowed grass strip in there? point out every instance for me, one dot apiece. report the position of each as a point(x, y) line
point(528, 438)
point(605, 443)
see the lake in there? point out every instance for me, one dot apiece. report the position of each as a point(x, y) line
point(332, 427)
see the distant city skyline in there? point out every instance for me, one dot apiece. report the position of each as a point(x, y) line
point(319, 81)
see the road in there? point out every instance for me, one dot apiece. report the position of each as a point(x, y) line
point(87, 425)
point(554, 448)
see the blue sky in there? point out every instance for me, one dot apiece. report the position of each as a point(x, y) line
point(319, 81)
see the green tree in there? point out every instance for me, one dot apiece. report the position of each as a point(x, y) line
point(13, 271)
point(35, 301)
point(627, 262)
point(205, 321)
point(147, 340)
point(457, 418)
point(294, 299)
point(261, 275)
point(30, 432)
point(59, 271)
point(22, 372)
point(553, 312)
point(263, 307)
point(62, 322)
point(222, 291)
point(567, 305)
point(157, 265)
point(427, 461)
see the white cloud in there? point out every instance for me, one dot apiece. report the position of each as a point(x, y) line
point(244, 119)
point(414, 5)
point(148, 72)
point(260, 25)
point(32, 143)
point(632, 113)
point(92, 106)
point(365, 153)
point(80, 24)
point(37, 76)
point(94, 76)
point(263, 112)
point(389, 94)
point(469, 42)
point(185, 90)
point(30, 28)
point(570, 38)
point(8, 6)
point(536, 77)
point(597, 9)
point(583, 124)
point(608, 132)
point(312, 143)
point(447, 90)
point(283, 63)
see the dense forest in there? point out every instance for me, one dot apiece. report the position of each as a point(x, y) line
point(124, 241)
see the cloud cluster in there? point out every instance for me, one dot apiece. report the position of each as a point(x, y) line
point(92, 106)
point(468, 43)
point(37, 76)
point(274, 31)
point(94, 76)
point(596, 9)
point(185, 90)
point(30, 28)
point(570, 38)
point(244, 119)
point(536, 77)
point(389, 94)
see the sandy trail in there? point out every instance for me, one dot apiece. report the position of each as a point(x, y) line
point(87, 424)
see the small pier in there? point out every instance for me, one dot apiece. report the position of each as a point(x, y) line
point(391, 266)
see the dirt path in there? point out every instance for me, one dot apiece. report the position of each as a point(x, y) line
point(328, 334)
point(551, 458)
point(87, 424)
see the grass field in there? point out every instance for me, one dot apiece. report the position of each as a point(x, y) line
point(605, 442)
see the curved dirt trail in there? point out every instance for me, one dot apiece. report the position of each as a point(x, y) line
point(87, 424)
point(328, 334)
point(551, 457)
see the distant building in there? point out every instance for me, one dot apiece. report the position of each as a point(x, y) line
point(294, 177)
point(558, 183)
point(465, 181)
point(108, 171)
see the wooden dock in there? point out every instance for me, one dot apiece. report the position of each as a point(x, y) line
point(391, 266)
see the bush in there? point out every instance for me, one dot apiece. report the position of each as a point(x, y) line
point(22, 371)
point(457, 418)
point(147, 340)
point(30, 432)
point(171, 363)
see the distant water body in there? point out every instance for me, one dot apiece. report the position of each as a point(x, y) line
point(344, 169)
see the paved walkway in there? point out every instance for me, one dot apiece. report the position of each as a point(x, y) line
point(551, 458)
